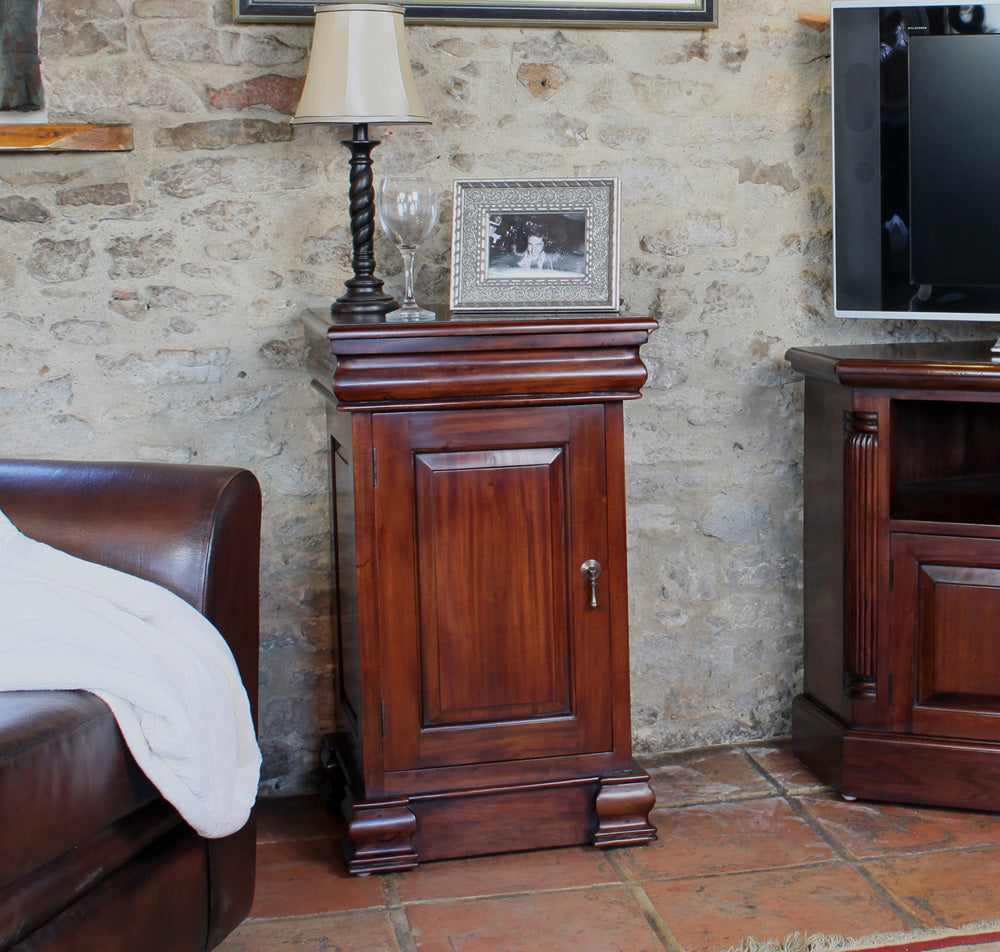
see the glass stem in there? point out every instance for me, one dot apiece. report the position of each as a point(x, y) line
point(408, 255)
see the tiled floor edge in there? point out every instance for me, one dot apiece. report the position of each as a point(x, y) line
point(797, 942)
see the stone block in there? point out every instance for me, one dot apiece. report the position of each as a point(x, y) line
point(280, 93)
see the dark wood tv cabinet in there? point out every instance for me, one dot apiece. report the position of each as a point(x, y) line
point(901, 697)
point(481, 592)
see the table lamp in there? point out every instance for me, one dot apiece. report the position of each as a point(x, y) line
point(359, 73)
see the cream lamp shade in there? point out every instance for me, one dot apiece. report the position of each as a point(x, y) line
point(359, 67)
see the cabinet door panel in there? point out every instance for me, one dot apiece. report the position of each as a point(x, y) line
point(946, 607)
point(494, 629)
point(493, 642)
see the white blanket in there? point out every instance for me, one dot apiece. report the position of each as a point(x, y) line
point(163, 669)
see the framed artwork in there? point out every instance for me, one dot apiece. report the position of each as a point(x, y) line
point(638, 13)
point(536, 245)
point(21, 91)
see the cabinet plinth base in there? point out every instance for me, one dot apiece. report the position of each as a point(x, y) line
point(392, 834)
point(818, 740)
point(900, 768)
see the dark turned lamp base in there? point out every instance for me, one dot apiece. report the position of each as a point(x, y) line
point(363, 305)
point(364, 301)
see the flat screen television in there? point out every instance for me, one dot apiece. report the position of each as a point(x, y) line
point(916, 160)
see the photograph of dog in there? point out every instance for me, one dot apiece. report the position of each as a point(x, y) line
point(537, 245)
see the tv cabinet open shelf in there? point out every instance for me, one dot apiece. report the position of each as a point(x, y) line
point(969, 500)
point(902, 572)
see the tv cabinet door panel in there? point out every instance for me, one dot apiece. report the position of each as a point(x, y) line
point(492, 650)
point(946, 612)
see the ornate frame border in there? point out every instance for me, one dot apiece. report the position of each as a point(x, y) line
point(597, 290)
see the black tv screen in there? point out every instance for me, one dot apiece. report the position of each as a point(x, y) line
point(916, 127)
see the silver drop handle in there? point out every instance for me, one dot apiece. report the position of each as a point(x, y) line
point(591, 571)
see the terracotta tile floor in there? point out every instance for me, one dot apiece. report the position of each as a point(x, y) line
point(750, 845)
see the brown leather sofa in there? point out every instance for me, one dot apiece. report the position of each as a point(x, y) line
point(92, 859)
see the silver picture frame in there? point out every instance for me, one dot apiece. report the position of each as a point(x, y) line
point(536, 245)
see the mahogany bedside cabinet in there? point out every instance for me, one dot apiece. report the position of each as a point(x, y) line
point(481, 609)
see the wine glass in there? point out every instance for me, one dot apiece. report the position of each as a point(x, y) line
point(407, 208)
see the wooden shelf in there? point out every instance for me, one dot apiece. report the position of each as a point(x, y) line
point(973, 500)
point(66, 137)
point(814, 21)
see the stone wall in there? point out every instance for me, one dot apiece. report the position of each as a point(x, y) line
point(151, 302)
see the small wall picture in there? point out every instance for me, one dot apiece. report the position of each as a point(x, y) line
point(536, 245)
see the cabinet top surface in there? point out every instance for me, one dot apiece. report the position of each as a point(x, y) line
point(964, 365)
point(501, 358)
point(477, 324)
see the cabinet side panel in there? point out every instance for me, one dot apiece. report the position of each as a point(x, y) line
point(617, 584)
point(823, 549)
point(345, 572)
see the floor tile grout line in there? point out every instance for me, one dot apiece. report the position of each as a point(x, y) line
point(330, 914)
point(401, 927)
point(633, 879)
point(802, 811)
point(708, 801)
point(913, 854)
point(793, 800)
point(396, 911)
point(791, 867)
point(667, 758)
point(807, 817)
point(518, 894)
point(766, 774)
point(657, 923)
point(898, 901)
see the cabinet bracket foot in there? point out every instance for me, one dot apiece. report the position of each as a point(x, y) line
point(379, 838)
point(623, 804)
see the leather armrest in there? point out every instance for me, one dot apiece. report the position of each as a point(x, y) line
point(192, 529)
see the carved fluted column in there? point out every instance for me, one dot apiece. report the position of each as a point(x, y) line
point(861, 507)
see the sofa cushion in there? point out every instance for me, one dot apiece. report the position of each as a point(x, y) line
point(154, 904)
point(31, 901)
point(65, 774)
